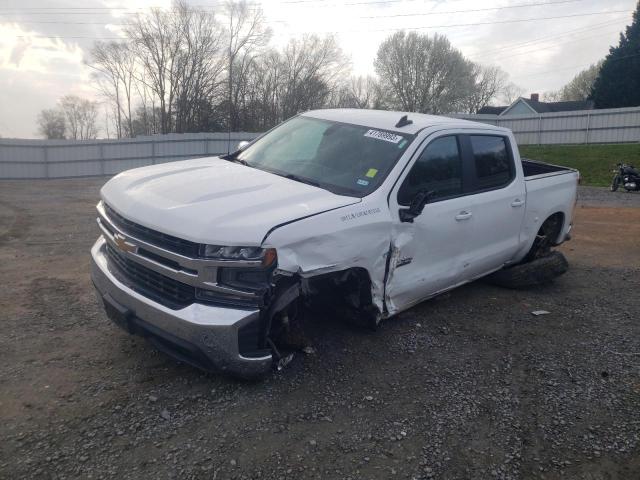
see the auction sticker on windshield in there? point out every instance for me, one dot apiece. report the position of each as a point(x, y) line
point(386, 136)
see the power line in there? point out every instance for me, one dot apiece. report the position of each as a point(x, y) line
point(92, 10)
point(64, 37)
point(108, 10)
point(543, 39)
point(255, 4)
point(516, 46)
point(576, 66)
point(499, 22)
point(480, 23)
point(520, 5)
point(564, 43)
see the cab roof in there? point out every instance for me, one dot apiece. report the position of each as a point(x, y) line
point(387, 120)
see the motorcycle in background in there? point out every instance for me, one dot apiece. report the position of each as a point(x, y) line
point(627, 176)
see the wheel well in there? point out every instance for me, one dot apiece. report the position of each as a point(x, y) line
point(546, 237)
point(556, 223)
point(346, 291)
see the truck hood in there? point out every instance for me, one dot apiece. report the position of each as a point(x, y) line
point(210, 200)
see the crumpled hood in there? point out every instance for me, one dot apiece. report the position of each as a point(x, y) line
point(210, 200)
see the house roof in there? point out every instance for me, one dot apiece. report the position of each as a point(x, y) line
point(489, 110)
point(541, 107)
point(549, 107)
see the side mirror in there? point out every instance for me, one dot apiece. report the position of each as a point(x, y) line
point(416, 207)
point(242, 145)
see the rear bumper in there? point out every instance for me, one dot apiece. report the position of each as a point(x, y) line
point(205, 336)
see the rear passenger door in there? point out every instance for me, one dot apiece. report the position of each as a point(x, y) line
point(498, 203)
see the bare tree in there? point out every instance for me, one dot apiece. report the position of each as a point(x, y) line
point(184, 70)
point(266, 99)
point(357, 92)
point(247, 35)
point(156, 39)
point(51, 124)
point(80, 117)
point(488, 84)
point(146, 117)
point(200, 68)
point(311, 67)
point(422, 73)
point(115, 66)
point(579, 88)
point(510, 93)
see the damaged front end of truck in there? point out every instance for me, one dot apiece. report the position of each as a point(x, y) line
point(294, 299)
point(322, 273)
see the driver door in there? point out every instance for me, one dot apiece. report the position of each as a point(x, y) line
point(429, 254)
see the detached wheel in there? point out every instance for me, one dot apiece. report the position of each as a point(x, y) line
point(615, 183)
point(540, 271)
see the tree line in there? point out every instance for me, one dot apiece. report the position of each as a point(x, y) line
point(187, 69)
point(191, 70)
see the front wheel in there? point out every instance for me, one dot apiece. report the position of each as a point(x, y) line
point(615, 183)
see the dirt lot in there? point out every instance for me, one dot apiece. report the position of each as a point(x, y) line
point(469, 385)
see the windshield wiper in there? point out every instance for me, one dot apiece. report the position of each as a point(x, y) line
point(234, 158)
point(291, 176)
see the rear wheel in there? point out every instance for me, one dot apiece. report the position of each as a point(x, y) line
point(615, 183)
point(541, 265)
point(546, 238)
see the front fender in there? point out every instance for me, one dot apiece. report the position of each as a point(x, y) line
point(356, 236)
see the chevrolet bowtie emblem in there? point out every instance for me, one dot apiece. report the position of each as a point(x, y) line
point(123, 245)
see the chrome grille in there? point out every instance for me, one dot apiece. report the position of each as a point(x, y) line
point(164, 290)
point(162, 240)
point(169, 270)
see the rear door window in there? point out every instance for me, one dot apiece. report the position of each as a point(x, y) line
point(492, 161)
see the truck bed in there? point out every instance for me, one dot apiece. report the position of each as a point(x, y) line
point(536, 169)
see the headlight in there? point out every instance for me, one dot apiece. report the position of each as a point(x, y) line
point(266, 255)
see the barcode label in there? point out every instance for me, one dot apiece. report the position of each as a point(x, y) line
point(386, 136)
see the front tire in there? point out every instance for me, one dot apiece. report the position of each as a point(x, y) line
point(615, 183)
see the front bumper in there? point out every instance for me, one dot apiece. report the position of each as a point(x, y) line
point(205, 336)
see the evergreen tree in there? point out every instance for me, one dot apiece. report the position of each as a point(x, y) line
point(618, 84)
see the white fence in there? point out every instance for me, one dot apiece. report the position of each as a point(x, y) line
point(69, 158)
point(616, 125)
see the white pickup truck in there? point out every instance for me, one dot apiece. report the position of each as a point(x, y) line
point(214, 259)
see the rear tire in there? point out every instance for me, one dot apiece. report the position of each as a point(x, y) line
point(540, 271)
point(546, 238)
point(615, 183)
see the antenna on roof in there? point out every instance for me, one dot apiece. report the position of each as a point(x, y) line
point(403, 122)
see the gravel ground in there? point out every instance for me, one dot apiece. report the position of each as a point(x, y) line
point(603, 197)
point(468, 385)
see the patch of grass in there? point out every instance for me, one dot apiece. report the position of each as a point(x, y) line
point(595, 162)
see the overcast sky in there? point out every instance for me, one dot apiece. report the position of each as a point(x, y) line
point(539, 52)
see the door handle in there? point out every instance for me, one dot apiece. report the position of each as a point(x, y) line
point(517, 203)
point(464, 215)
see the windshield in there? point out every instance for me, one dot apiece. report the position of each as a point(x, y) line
point(343, 158)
